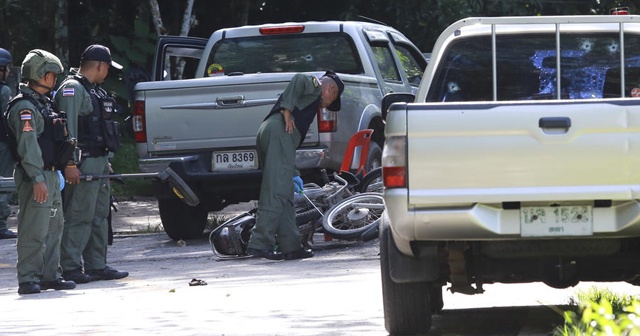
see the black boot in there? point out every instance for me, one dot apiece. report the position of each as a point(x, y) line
point(57, 284)
point(301, 253)
point(30, 287)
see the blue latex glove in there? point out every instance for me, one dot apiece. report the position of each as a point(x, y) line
point(298, 185)
point(61, 180)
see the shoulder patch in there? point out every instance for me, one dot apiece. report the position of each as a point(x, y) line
point(68, 92)
point(27, 127)
point(314, 80)
point(25, 115)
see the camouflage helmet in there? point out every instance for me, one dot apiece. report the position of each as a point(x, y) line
point(5, 57)
point(38, 62)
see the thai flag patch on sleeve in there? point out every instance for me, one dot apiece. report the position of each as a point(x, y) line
point(25, 115)
point(68, 92)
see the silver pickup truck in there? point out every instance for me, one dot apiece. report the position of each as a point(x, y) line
point(517, 161)
point(204, 127)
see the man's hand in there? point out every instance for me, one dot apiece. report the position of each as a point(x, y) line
point(289, 124)
point(72, 174)
point(40, 192)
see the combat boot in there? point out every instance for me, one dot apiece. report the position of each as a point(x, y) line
point(106, 273)
point(58, 284)
point(30, 287)
point(77, 276)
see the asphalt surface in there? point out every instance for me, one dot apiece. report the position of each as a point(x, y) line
point(337, 292)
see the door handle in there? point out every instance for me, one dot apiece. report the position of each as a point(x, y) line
point(554, 122)
point(230, 101)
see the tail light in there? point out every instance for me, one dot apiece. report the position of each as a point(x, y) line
point(394, 162)
point(281, 30)
point(139, 131)
point(327, 121)
point(619, 11)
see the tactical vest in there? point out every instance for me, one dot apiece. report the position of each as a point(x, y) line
point(97, 132)
point(53, 138)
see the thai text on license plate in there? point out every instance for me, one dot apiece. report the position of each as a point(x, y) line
point(234, 160)
point(542, 221)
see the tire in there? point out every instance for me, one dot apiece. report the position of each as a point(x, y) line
point(352, 216)
point(181, 221)
point(374, 157)
point(435, 296)
point(372, 181)
point(407, 308)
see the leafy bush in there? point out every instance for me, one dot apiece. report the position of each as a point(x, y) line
point(603, 313)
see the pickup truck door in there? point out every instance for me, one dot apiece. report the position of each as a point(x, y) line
point(384, 58)
point(177, 57)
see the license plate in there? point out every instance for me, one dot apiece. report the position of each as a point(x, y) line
point(572, 220)
point(234, 160)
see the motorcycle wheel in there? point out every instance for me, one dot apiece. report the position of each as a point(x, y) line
point(352, 216)
point(372, 181)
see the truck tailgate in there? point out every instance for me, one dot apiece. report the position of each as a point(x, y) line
point(518, 152)
point(210, 112)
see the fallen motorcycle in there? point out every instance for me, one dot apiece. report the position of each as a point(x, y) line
point(230, 239)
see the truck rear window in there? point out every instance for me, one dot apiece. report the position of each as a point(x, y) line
point(527, 68)
point(284, 53)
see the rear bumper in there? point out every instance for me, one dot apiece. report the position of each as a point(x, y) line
point(305, 159)
point(490, 222)
point(233, 186)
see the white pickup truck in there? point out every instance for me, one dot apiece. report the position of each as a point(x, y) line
point(205, 126)
point(517, 161)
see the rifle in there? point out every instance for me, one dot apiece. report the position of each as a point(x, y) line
point(179, 187)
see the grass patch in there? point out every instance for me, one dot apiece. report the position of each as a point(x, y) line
point(150, 228)
point(601, 312)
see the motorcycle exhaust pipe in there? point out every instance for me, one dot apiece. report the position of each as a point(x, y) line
point(179, 187)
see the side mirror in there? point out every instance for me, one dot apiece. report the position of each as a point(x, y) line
point(396, 97)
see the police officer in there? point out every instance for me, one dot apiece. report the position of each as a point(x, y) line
point(6, 160)
point(86, 204)
point(36, 131)
point(282, 131)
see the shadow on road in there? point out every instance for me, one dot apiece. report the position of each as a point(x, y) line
point(499, 321)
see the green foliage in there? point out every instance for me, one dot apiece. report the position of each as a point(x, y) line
point(602, 312)
point(136, 48)
point(126, 161)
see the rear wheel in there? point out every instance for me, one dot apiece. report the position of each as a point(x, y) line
point(435, 296)
point(352, 216)
point(407, 308)
point(181, 221)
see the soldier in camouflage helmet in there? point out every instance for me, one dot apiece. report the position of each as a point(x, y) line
point(36, 131)
point(6, 161)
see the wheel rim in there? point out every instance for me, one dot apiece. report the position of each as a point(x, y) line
point(355, 214)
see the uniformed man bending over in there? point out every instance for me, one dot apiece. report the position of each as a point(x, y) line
point(86, 204)
point(36, 136)
point(280, 134)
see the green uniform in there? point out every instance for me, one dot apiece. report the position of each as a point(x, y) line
point(39, 225)
point(6, 161)
point(275, 219)
point(86, 205)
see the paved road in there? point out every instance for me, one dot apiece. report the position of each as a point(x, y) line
point(335, 293)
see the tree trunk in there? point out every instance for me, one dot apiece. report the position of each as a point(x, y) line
point(61, 33)
point(157, 19)
point(187, 20)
